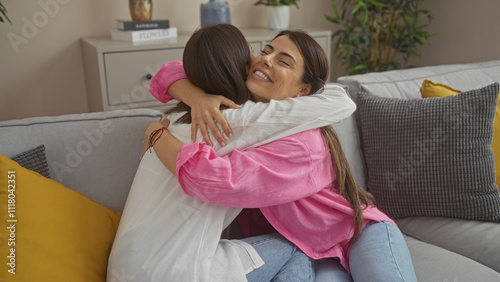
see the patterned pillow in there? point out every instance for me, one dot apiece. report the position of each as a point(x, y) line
point(34, 159)
point(431, 89)
point(433, 156)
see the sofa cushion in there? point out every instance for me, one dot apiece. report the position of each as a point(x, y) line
point(431, 89)
point(433, 263)
point(34, 159)
point(477, 240)
point(85, 151)
point(432, 157)
point(57, 234)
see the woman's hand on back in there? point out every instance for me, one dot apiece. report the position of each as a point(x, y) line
point(206, 114)
point(205, 110)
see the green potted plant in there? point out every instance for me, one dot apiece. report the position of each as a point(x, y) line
point(278, 12)
point(3, 14)
point(379, 35)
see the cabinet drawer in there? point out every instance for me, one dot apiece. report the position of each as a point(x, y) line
point(128, 76)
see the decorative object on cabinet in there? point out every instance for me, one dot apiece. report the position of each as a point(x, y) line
point(278, 12)
point(139, 31)
point(378, 36)
point(214, 12)
point(142, 25)
point(278, 18)
point(144, 35)
point(141, 10)
point(117, 73)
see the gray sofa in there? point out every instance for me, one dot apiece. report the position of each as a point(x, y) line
point(442, 248)
point(102, 150)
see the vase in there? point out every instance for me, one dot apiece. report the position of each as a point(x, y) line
point(141, 10)
point(214, 12)
point(278, 17)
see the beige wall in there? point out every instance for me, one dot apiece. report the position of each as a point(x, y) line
point(41, 69)
point(468, 32)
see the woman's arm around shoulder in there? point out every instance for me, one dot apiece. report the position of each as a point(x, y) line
point(168, 73)
point(259, 123)
point(170, 82)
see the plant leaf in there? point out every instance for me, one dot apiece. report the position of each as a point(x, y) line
point(376, 3)
point(360, 5)
point(365, 20)
point(3, 11)
point(335, 10)
point(335, 20)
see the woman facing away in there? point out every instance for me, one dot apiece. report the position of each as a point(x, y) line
point(165, 235)
point(293, 180)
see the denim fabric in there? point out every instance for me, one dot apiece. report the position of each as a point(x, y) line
point(380, 254)
point(283, 260)
point(330, 270)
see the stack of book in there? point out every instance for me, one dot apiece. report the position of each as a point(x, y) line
point(140, 31)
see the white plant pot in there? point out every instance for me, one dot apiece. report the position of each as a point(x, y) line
point(278, 18)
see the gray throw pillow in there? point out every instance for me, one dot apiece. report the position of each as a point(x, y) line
point(433, 156)
point(34, 159)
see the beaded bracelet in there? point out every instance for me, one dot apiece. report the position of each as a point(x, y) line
point(152, 137)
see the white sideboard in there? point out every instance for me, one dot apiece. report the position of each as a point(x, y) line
point(117, 73)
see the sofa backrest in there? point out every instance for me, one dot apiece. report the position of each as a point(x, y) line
point(405, 84)
point(347, 132)
point(96, 154)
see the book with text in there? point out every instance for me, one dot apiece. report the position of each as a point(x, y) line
point(142, 25)
point(144, 35)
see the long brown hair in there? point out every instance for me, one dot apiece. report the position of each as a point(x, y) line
point(215, 59)
point(315, 74)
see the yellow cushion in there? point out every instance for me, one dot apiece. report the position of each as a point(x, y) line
point(431, 89)
point(50, 232)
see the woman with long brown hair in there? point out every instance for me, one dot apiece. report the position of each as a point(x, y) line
point(301, 183)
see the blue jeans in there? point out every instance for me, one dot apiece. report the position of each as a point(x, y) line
point(283, 260)
point(380, 254)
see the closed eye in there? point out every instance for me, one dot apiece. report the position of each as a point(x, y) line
point(285, 63)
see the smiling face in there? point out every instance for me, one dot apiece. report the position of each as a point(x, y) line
point(277, 72)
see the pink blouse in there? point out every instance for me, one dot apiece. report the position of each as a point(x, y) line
point(289, 179)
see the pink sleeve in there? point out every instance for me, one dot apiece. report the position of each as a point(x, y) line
point(275, 173)
point(169, 73)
